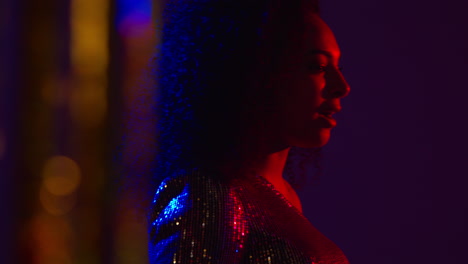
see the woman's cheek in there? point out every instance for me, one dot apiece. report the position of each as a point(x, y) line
point(311, 88)
point(317, 80)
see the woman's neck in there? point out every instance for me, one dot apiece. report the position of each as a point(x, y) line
point(272, 170)
point(272, 166)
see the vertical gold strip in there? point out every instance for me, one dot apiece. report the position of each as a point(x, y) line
point(89, 58)
point(87, 102)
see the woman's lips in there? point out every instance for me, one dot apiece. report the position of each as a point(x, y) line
point(326, 121)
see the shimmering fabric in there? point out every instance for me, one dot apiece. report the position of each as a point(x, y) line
point(199, 219)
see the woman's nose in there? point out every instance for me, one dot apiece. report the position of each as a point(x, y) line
point(336, 86)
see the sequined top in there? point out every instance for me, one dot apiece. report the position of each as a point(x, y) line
point(198, 219)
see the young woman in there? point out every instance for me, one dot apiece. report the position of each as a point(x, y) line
point(241, 84)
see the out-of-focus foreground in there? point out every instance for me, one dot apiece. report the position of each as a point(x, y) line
point(75, 126)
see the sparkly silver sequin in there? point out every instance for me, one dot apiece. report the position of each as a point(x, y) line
point(198, 219)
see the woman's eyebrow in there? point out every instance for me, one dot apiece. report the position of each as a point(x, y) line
point(323, 52)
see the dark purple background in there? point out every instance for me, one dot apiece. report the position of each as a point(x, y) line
point(9, 52)
point(395, 185)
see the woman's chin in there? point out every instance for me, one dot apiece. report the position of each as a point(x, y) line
point(313, 139)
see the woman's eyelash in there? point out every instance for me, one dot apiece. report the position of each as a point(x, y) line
point(319, 68)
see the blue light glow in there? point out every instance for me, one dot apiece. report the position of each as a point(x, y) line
point(134, 8)
point(176, 207)
point(163, 251)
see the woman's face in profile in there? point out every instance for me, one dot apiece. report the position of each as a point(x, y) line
point(310, 86)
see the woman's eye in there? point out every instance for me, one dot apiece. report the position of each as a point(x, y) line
point(317, 68)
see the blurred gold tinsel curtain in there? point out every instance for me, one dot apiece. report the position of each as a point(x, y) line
point(75, 110)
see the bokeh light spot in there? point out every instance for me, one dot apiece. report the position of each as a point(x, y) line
point(56, 205)
point(61, 175)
